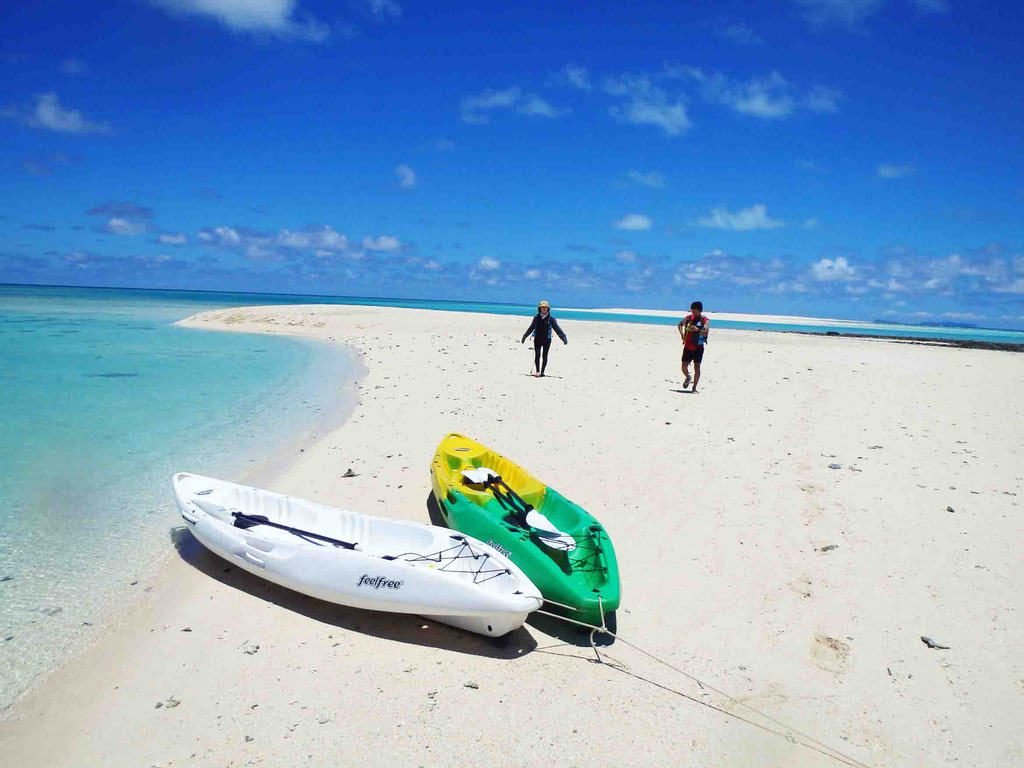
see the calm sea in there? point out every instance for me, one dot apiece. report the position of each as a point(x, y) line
point(101, 399)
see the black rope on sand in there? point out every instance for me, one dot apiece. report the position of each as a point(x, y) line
point(789, 733)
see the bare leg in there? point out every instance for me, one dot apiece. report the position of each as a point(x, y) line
point(686, 373)
point(696, 374)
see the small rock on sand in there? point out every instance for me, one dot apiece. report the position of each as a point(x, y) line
point(835, 466)
point(828, 548)
point(471, 684)
point(950, 509)
point(349, 473)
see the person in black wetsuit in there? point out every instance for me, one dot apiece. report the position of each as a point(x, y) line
point(541, 327)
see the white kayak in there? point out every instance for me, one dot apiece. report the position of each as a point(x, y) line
point(358, 560)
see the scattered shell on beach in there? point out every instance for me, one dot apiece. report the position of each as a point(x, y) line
point(249, 647)
point(835, 466)
point(950, 509)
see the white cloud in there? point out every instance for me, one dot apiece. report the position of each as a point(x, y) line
point(488, 263)
point(740, 34)
point(573, 75)
point(627, 256)
point(531, 274)
point(431, 264)
point(822, 99)
point(644, 103)
point(273, 17)
point(225, 237)
point(179, 239)
point(1017, 286)
point(831, 270)
point(633, 222)
point(769, 97)
point(754, 217)
point(962, 316)
point(850, 13)
point(890, 171)
point(73, 67)
point(532, 104)
point(49, 114)
point(385, 8)
point(474, 109)
point(811, 223)
point(406, 176)
point(382, 243)
point(654, 180)
point(931, 6)
point(116, 226)
point(325, 239)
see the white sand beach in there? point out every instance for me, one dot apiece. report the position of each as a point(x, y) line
point(801, 590)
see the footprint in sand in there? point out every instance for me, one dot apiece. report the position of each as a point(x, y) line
point(830, 654)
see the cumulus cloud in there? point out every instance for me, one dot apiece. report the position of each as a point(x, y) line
point(167, 239)
point(117, 226)
point(385, 9)
point(634, 222)
point(653, 179)
point(271, 17)
point(573, 75)
point(931, 6)
point(822, 99)
point(224, 237)
point(489, 263)
point(475, 109)
point(532, 104)
point(644, 103)
point(73, 67)
point(50, 115)
point(745, 219)
point(830, 270)
point(324, 238)
point(849, 13)
point(531, 274)
point(771, 96)
point(891, 171)
point(406, 176)
point(383, 243)
point(740, 34)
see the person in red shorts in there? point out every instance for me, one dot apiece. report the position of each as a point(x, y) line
point(694, 331)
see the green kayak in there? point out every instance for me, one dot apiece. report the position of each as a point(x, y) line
point(561, 547)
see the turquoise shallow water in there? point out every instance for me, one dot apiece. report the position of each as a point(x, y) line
point(101, 399)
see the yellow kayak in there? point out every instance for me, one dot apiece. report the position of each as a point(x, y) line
point(560, 547)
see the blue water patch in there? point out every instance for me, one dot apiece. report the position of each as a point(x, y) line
point(95, 422)
point(206, 298)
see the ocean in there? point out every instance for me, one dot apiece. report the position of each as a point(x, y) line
point(101, 399)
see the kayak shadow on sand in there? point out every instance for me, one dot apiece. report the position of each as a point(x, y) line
point(400, 627)
point(568, 633)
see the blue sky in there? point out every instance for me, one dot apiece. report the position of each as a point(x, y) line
point(844, 158)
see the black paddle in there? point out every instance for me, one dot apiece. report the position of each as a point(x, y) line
point(245, 522)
